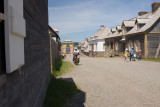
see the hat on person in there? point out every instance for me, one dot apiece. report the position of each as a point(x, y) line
point(126, 49)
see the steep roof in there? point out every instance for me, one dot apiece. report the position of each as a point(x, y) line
point(147, 19)
point(113, 30)
point(142, 20)
point(152, 18)
point(105, 32)
point(100, 34)
point(84, 46)
point(118, 27)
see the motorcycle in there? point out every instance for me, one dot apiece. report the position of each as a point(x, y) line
point(76, 60)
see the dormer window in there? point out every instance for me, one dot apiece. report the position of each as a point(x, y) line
point(119, 29)
point(127, 25)
point(113, 30)
point(141, 25)
point(128, 29)
point(140, 22)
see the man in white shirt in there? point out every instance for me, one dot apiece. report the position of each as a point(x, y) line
point(75, 53)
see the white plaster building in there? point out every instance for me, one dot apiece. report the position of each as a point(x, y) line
point(97, 42)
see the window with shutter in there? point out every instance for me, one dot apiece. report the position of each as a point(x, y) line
point(15, 31)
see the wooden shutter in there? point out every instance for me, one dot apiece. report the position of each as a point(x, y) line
point(15, 31)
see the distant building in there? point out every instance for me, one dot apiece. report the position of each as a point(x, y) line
point(97, 41)
point(141, 33)
point(55, 43)
point(84, 47)
point(67, 47)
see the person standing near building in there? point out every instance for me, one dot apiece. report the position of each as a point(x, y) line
point(132, 54)
point(126, 55)
point(139, 55)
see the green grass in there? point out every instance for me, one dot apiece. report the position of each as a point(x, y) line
point(66, 67)
point(152, 59)
point(59, 90)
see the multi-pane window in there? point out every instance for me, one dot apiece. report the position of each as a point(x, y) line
point(130, 45)
point(116, 46)
point(137, 46)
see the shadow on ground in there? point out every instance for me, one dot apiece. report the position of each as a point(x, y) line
point(63, 92)
point(79, 99)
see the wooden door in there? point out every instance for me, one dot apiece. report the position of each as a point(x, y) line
point(123, 46)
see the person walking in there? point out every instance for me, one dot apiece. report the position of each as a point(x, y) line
point(126, 55)
point(132, 54)
point(94, 53)
point(139, 55)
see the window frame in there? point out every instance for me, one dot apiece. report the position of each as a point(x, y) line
point(116, 46)
point(135, 45)
point(129, 48)
point(104, 46)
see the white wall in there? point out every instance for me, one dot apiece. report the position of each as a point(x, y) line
point(99, 45)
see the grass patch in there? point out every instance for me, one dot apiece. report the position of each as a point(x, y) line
point(152, 59)
point(59, 90)
point(65, 67)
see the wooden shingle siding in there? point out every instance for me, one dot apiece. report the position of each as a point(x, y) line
point(54, 50)
point(118, 40)
point(28, 88)
point(139, 38)
point(128, 38)
point(153, 42)
point(39, 7)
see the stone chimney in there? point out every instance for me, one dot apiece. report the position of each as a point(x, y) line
point(155, 6)
point(142, 13)
point(102, 26)
point(86, 39)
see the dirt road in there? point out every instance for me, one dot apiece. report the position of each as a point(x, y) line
point(111, 82)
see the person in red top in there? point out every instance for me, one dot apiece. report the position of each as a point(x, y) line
point(94, 53)
point(139, 55)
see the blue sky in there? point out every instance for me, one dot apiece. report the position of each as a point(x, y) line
point(79, 19)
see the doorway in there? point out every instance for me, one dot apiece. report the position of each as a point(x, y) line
point(2, 40)
point(123, 46)
point(68, 49)
point(111, 43)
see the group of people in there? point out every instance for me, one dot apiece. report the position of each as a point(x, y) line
point(132, 54)
point(127, 54)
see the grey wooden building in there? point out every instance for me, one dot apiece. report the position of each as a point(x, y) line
point(55, 44)
point(141, 33)
point(24, 53)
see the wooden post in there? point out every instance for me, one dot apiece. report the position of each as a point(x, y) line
point(145, 46)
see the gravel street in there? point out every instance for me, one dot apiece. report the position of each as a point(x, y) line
point(111, 82)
